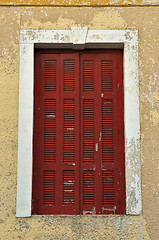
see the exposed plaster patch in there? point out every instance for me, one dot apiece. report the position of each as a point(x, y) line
point(134, 175)
point(155, 97)
point(108, 19)
point(61, 23)
point(155, 117)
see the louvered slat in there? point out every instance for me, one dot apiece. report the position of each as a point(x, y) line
point(69, 131)
point(108, 187)
point(88, 187)
point(50, 75)
point(69, 75)
point(49, 130)
point(88, 130)
point(68, 187)
point(107, 131)
point(49, 187)
point(88, 76)
point(107, 83)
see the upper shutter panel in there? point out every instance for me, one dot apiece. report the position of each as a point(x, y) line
point(69, 75)
point(50, 75)
point(107, 73)
point(88, 75)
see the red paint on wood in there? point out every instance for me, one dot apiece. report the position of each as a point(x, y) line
point(78, 133)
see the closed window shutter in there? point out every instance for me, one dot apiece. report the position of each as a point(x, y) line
point(102, 146)
point(69, 133)
point(79, 133)
point(57, 155)
point(110, 126)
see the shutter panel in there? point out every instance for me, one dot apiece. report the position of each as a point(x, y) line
point(57, 154)
point(46, 153)
point(102, 146)
point(109, 144)
point(69, 133)
point(49, 187)
point(89, 135)
point(112, 139)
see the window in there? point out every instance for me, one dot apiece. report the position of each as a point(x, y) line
point(79, 133)
point(70, 39)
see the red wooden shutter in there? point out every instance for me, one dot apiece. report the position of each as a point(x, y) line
point(102, 145)
point(56, 149)
point(79, 133)
point(69, 134)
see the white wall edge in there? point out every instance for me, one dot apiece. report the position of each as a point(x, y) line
point(129, 38)
point(25, 131)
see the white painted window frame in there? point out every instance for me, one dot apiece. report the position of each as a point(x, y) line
point(79, 38)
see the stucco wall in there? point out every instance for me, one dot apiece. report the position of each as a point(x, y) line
point(146, 21)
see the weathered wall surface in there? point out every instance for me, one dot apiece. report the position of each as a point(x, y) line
point(80, 2)
point(144, 19)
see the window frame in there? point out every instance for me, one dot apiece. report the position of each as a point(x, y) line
point(94, 39)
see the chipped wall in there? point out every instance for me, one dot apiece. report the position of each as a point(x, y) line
point(146, 21)
point(79, 2)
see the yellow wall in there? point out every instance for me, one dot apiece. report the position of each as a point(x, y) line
point(79, 2)
point(146, 20)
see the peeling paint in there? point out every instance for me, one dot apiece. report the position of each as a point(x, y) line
point(155, 117)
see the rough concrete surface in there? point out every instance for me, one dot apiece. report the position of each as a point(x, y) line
point(146, 21)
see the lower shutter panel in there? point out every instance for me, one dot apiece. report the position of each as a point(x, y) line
point(49, 187)
point(68, 187)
